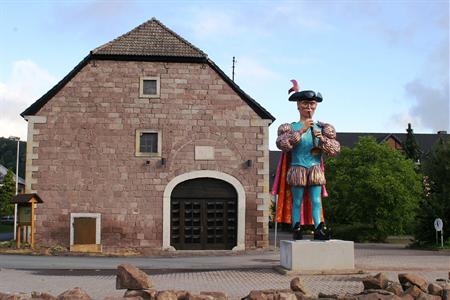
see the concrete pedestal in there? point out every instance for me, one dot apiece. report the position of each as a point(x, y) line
point(305, 255)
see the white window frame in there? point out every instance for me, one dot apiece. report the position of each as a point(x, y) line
point(98, 226)
point(141, 87)
point(138, 142)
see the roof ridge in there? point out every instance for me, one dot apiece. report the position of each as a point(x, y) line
point(123, 38)
point(178, 36)
point(120, 36)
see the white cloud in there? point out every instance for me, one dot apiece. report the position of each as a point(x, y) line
point(302, 16)
point(399, 122)
point(209, 23)
point(253, 73)
point(26, 83)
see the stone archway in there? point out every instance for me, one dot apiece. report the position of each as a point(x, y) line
point(240, 243)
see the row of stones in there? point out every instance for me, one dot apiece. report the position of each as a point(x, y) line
point(139, 286)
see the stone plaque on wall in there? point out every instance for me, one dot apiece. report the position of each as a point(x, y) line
point(204, 153)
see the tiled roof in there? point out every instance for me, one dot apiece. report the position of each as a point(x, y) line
point(150, 41)
point(151, 38)
point(25, 198)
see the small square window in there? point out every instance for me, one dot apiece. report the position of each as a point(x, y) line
point(149, 87)
point(148, 142)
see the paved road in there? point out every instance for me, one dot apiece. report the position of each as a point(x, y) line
point(367, 257)
point(233, 274)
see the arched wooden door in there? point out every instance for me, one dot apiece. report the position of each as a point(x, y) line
point(203, 215)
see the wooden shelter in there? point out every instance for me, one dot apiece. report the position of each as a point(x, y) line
point(26, 203)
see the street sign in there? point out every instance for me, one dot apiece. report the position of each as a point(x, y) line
point(438, 224)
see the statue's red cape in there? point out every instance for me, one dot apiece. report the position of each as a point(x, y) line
point(284, 201)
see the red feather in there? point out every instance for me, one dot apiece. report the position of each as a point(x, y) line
point(295, 87)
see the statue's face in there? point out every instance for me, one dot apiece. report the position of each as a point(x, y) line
point(307, 108)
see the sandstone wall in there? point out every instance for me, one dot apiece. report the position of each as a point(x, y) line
point(82, 159)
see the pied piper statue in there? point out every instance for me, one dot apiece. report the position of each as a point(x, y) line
point(300, 179)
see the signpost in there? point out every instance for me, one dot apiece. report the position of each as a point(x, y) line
point(438, 225)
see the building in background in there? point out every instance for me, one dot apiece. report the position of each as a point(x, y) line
point(425, 142)
point(21, 185)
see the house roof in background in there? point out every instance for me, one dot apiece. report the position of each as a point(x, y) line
point(426, 141)
point(4, 171)
point(150, 41)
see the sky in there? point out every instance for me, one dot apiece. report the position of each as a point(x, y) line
point(379, 65)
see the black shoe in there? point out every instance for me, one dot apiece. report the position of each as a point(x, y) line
point(296, 232)
point(321, 233)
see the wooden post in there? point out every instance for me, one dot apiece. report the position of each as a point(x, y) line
point(18, 236)
point(32, 224)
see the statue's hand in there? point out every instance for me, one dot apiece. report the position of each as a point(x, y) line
point(308, 123)
point(318, 134)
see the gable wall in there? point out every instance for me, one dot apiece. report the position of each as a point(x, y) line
point(84, 152)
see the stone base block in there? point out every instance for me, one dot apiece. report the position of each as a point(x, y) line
point(321, 256)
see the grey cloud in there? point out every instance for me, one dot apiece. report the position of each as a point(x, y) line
point(432, 104)
point(431, 90)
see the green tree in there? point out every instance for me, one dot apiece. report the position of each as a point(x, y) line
point(373, 185)
point(8, 152)
point(436, 203)
point(412, 149)
point(7, 191)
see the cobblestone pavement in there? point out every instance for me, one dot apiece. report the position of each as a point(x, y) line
point(234, 275)
point(236, 283)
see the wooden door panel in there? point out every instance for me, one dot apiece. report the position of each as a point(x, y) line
point(84, 231)
point(203, 215)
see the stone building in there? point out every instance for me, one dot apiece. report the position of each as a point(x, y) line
point(146, 145)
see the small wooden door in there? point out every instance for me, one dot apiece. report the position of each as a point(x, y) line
point(84, 230)
point(203, 215)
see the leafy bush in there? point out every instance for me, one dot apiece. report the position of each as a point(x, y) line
point(436, 203)
point(372, 185)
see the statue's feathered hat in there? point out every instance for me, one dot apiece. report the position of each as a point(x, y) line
point(303, 95)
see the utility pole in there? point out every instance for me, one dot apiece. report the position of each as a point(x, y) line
point(17, 139)
point(234, 63)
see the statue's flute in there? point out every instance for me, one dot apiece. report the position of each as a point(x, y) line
point(315, 149)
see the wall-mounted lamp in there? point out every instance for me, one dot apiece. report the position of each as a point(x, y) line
point(248, 163)
point(147, 162)
point(163, 161)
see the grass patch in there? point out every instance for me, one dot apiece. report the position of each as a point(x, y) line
point(6, 228)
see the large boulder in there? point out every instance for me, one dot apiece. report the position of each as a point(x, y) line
point(286, 296)
point(378, 296)
point(166, 295)
point(74, 294)
point(396, 288)
point(144, 294)
point(435, 289)
point(131, 278)
point(216, 295)
point(4, 296)
point(298, 286)
point(414, 291)
point(42, 296)
point(379, 281)
point(411, 279)
point(256, 295)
